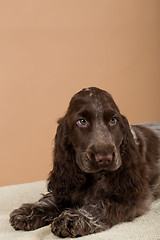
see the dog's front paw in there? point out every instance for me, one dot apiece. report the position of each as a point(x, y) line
point(21, 218)
point(27, 217)
point(73, 223)
point(68, 224)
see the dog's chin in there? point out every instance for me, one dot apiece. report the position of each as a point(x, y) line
point(89, 166)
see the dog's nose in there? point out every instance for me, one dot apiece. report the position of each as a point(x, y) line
point(103, 158)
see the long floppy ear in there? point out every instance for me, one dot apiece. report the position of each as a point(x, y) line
point(129, 132)
point(128, 148)
point(65, 175)
point(126, 132)
point(134, 174)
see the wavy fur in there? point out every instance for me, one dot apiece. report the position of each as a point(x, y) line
point(105, 171)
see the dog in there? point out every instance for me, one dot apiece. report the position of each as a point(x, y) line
point(105, 171)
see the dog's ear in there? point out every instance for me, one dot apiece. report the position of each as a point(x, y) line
point(128, 144)
point(131, 159)
point(65, 175)
point(126, 128)
point(125, 121)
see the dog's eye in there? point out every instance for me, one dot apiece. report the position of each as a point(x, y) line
point(113, 121)
point(82, 122)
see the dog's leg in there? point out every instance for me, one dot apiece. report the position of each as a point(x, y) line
point(32, 216)
point(95, 218)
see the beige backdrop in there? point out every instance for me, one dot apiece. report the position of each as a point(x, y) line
point(51, 49)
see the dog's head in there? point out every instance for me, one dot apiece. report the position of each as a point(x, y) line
point(96, 130)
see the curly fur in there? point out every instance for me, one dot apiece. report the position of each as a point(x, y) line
point(105, 171)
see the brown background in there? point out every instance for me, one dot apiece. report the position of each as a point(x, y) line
point(51, 49)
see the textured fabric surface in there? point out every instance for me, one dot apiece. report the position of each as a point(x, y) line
point(146, 227)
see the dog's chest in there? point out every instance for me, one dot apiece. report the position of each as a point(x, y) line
point(91, 191)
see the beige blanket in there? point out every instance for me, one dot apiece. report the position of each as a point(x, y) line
point(146, 227)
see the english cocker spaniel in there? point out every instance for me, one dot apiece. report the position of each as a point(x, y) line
point(105, 171)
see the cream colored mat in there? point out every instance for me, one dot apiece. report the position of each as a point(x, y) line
point(146, 227)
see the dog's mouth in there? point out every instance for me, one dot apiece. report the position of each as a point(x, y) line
point(90, 165)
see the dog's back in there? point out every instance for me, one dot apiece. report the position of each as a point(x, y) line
point(147, 137)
